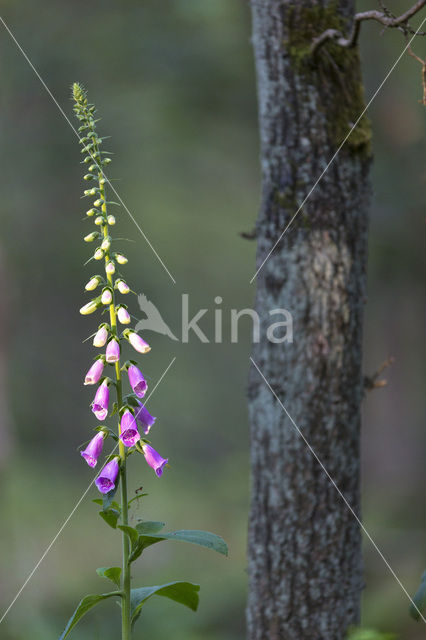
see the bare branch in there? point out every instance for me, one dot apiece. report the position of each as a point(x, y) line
point(384, 17)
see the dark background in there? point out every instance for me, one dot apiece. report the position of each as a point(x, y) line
point(175, 86)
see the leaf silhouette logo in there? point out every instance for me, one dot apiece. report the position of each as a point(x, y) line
point(153, 320)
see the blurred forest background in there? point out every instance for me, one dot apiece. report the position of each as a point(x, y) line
point(175, 86)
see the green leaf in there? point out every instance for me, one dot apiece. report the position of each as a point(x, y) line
point(110, 516)
point(83, 607)
point(202, 538)
point(419, 599)
point(131, 532)
point(149, 527)
point(110, 573)
point(183, 592)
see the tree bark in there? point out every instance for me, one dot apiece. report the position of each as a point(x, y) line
point(305, 565)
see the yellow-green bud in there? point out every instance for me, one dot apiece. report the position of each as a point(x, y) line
point(93, 283)
point(91, 236)
point(99, 254)
point(120, 258)
point(98, 202)
point(106, 297)
point(99, 220)
point(111, 220)
point(88, 308)
point(106, 243)
point(91, 212)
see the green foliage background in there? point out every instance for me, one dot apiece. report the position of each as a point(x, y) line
point(174, 83)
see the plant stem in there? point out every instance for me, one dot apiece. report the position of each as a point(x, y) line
point(126, 578)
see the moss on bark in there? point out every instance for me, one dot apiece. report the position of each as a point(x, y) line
point(334, 71)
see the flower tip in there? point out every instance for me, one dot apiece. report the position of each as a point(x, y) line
point(89, 459)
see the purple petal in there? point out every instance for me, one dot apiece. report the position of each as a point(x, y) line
point(93, 449)
point(137, 381)
point(154, 459)
point(112, 351)
point(145, 419)
point(100, 403)
point(107, 477)
point(129, 433)
point(95, 372)
point(138, 343)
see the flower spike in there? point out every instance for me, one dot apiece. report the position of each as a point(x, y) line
point(133, 417)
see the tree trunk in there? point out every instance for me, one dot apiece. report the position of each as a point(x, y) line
point(305, 562)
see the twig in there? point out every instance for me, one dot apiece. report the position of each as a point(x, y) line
point(384, 17)
point(372, 382)
point(423, 63)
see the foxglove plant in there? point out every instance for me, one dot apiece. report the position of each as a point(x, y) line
point(133, 419)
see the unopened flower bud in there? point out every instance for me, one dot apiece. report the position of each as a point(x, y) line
point(99, 220)
point(98, 202)
point(93, 283)
point(122, 286)
point(99, 254)
point(120, 258)
point(111, 220)
point(106, 160)
point(101, 337)
point(123, 315)
point(90, 212)
point(88, 176)
point(90, 307)
point(102, 181)
point(110, 268)
point(90, 192)
point(106, 297)
point(91, 236)
point(106, 243)
point(112, 351)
